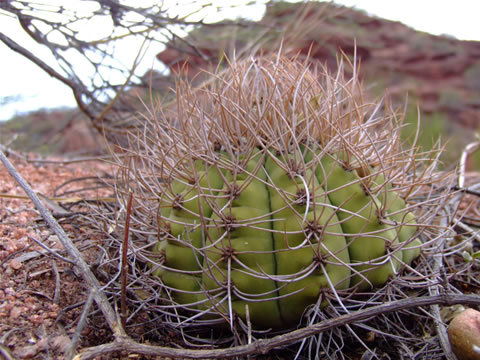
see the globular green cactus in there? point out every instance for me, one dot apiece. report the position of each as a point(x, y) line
point(281, 188)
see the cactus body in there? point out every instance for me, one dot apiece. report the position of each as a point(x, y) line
point(253, 236)
point(278, 195)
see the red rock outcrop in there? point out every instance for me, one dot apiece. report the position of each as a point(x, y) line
point(441, 72)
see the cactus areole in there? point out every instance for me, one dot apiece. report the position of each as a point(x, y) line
point(281, 190)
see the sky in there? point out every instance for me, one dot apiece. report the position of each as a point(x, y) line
point(35, 89)
point(458, 18)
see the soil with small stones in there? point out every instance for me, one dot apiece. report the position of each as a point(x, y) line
point(41, 296)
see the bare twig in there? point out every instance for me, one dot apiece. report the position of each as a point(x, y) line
point(435, 309)
point(123, 297)
point(71, 161)
point(474, 233)
point(6, 353)
point(264, 346)
point(32, 57)
point(81, 324)
point(48, 69)
point(9, 152)
point(151, 25)
point(56, 296)
point(51, 251)
point(62, 199)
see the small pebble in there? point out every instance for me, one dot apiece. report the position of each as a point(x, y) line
point(464, 335)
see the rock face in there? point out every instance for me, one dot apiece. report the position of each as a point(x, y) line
point(441, 73)
point(60, 131)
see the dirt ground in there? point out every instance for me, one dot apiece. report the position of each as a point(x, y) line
point(41, 297)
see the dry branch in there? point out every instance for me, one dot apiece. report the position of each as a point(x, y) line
point(123, 300)
point(85, 64)
point(264, 346)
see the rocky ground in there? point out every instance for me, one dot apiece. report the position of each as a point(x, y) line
point(41, 296)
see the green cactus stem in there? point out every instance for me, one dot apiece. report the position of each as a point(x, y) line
point(281, 189)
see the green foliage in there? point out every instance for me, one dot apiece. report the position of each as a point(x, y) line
point(433, 129)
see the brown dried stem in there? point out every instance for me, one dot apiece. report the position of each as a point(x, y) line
point(266, 345)
point(124, 273)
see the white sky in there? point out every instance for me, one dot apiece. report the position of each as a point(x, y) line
point(459, 18)
point(19, 76)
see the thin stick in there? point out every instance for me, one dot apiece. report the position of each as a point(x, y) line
point(74, 253)
point(123, 297)
point(263, 346)
point(437, 289)
point(81, 324)
point(249, 325)
point(56, 296)
point(6, 353)
point(51, 251)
